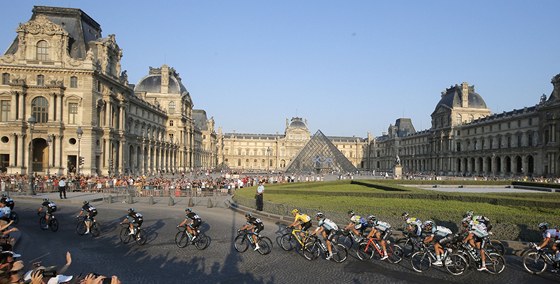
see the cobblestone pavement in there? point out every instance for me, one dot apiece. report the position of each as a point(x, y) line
point(161, 261)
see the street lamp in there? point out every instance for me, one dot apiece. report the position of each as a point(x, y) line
point(80, 132)
point(268, 150)
point(31, 122)
point(49, 142)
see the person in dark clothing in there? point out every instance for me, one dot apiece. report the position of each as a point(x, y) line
point(259, 196)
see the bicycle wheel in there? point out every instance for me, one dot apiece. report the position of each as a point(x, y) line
point(95, 231)
point(420, 261)
point(497, 246)
point(407, 246)
point(534, 263)
point(364, 251)
point(345, 240)
point(202, 242)
point(181, 239)
point(287, 242)
point(81, 228)
point(241, 243)
point(394, 252)
point(311, 250)
point(43, 223)
point(456, 264)
point(495, 263)
point(141, 237)
point(265, 245)
point(125, 236)
point(53, 225)
point(340, 253)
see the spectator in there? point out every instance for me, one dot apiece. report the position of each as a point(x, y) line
point(62, 188)
point(259, 196)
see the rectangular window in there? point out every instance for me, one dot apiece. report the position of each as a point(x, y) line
point(40, 80)
point(4, 110)
point(5, 78)
point(72, 113)
point(73, 82)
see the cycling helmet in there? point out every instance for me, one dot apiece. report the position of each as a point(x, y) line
point(188, 210)
point(320, 215)
point(372, 218)
point(248, 214)
point(405, 215)
point(45, 199)
point(130, 210)
point(351, 212)
point(295, 211)
point(4, 195)
point(469, 214)
point(429, 223)
point(543, 226)
point(86, 202)
point(465, 221)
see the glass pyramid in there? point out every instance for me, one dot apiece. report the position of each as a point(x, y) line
point(320, 155)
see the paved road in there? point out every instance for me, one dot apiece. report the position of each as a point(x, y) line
point(161, 261)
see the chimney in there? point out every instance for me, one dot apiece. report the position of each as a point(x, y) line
point(164, 79)
point(465, 94)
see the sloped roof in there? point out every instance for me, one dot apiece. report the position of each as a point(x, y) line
point(320, 155)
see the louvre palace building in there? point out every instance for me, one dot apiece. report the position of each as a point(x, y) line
point(466, 139)
point(66, 106)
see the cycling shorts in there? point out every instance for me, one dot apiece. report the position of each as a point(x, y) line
point(445, 240)
point(386, 234)
point(196, 223)
point(258, 229)
point(305, 226)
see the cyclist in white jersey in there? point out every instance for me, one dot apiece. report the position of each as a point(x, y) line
point(550, 235)
point(381, 230)
point(440, 236)
point(327, 228)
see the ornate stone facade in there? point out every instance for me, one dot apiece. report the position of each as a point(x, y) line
point(63, 73)
point(467, 140)
point(274, 152)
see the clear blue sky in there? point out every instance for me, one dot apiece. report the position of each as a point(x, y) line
point(348, 67)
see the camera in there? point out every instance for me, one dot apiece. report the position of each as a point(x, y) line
point(49, 272)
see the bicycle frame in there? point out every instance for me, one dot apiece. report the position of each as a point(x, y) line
point(295, 233)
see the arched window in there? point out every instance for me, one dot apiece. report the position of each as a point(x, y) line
point(171, 108)
point(40, 109)
point(42, 50)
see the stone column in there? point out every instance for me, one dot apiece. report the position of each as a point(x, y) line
point(21, 107)
point(52, 101)
point(60, 108)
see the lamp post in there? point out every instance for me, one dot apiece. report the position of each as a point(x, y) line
point(80, 132)
point(49, 142)
point(268, 150)
point(31, 122)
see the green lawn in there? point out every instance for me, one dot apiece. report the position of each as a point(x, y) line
point(514, 215)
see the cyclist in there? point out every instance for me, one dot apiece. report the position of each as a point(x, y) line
point(357, 225)
point(327, 228)
point(381, 231)
point(4, 211)
point(476, 238)
point(134, 220)
point(89, 211)
point(49, 207)
point(193, 221)
point(301, 221)
point(439, 236)
point(550, 235)
point(412, 225)
point(479, 219)
point(255, 225)
point(9, 201)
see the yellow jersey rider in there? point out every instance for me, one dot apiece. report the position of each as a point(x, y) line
point(301, 221)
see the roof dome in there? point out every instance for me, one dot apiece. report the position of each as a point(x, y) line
point(453, 97)
point(152, 82)
point(298, 122)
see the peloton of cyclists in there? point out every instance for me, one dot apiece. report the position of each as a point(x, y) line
point(49, 207)
point(381, 231)
point(255, 225)
point(327, 229)
point(90, 212)
point(192, 221)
